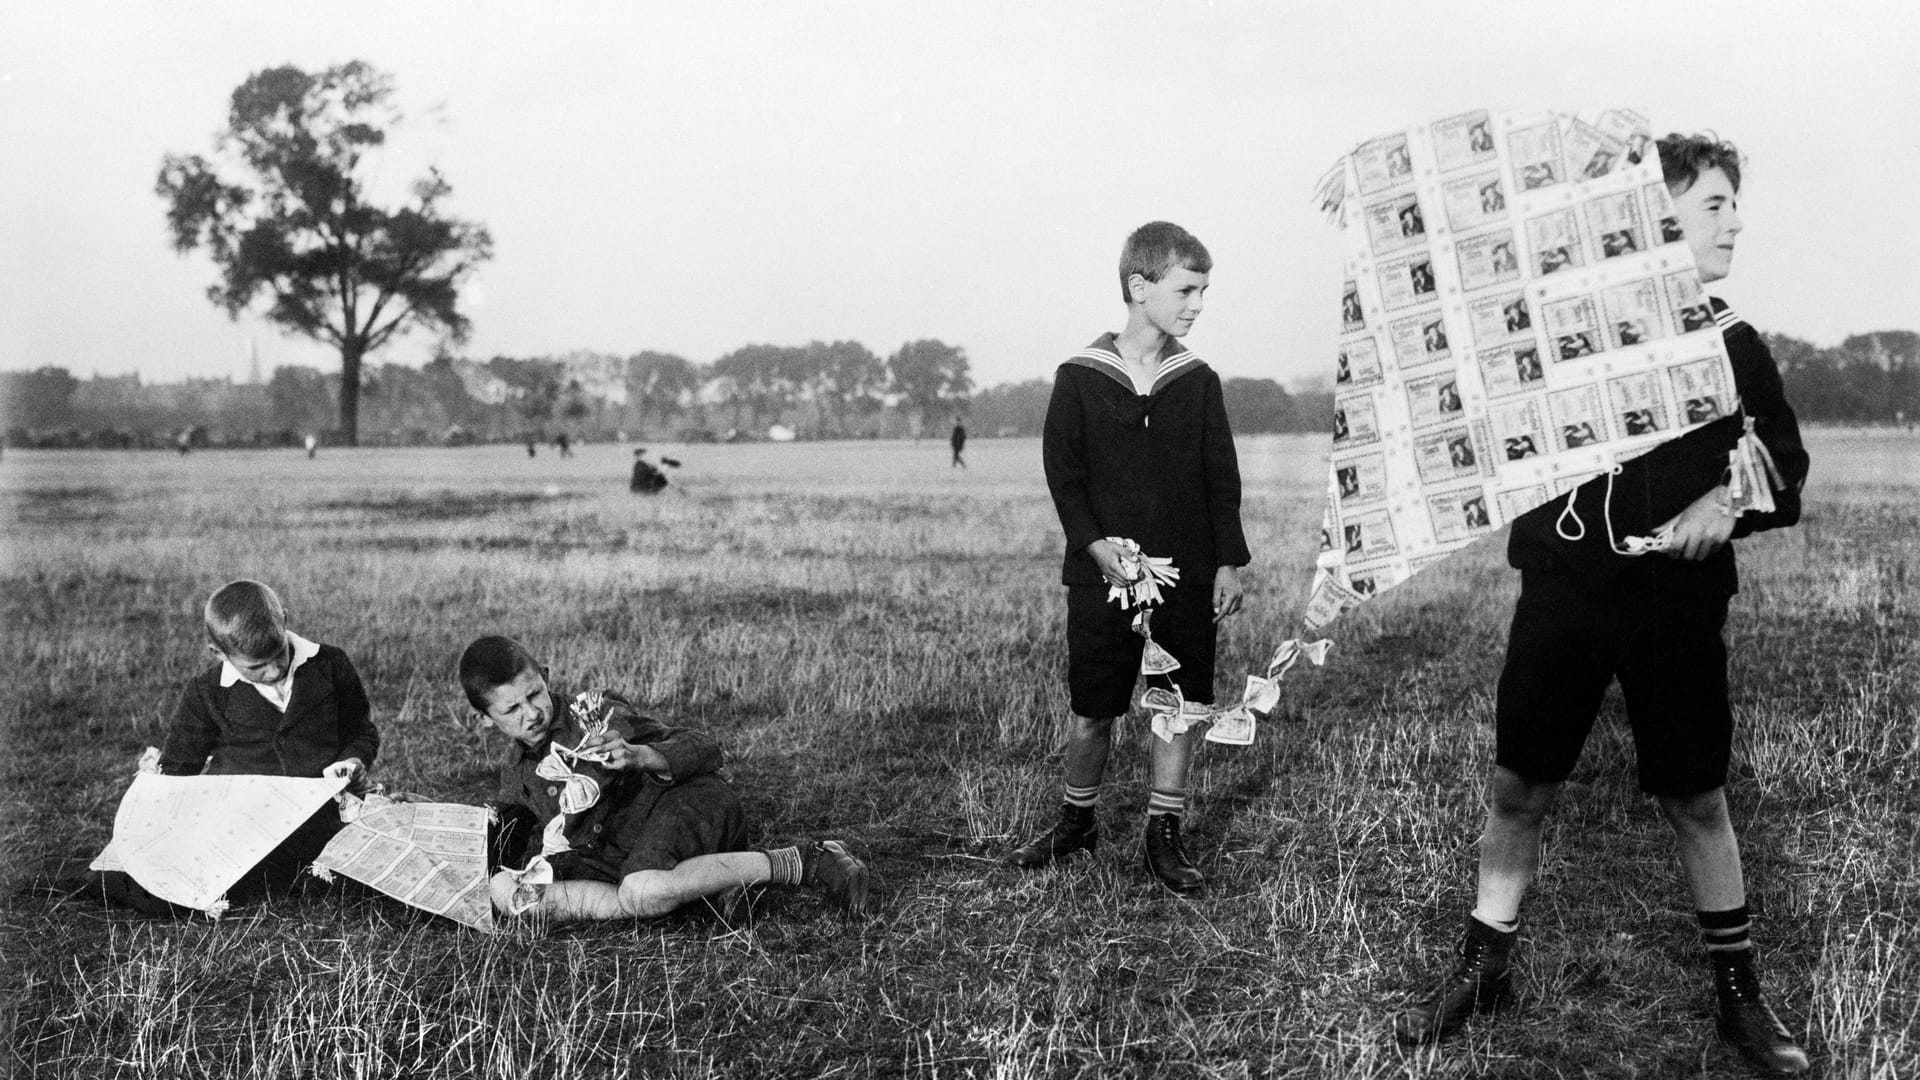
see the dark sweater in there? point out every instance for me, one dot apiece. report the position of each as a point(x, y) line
point(626, 798)
point(1654, 487)
point(1159, 468)
point(223, 730)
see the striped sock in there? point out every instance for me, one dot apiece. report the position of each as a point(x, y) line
point(1505, 926)
point(1730, 951)
point(785, 865)
point(1163, 801)
point(1083, 797)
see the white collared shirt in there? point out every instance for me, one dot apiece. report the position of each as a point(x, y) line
point(280, 693)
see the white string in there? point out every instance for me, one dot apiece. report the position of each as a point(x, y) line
point(1631, 547)
point(1560, 523)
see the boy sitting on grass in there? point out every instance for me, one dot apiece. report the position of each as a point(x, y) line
point(275, 704)
point(613, 815)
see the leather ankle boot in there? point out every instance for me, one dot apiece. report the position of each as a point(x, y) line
point(1167, 859)
point(1750, 1025)
point(1477, 984)
point(1077, 830)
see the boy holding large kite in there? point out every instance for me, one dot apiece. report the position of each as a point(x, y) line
point(1590, 612)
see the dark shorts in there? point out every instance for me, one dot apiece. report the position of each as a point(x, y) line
point(1103, 652)
point(700, 816)
point(1665, 647)
point(284, 866)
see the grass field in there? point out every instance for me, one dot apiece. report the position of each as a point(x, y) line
point(878, 640)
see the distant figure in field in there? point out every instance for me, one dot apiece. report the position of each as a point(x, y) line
point(647, 480)
point(649, 822)
point(313, 446)
point(1137, 446)
point(1590, 612)
point(184, 444)
point(530, 446)
point(959, 443)
point(275, 704)
point(565, 443)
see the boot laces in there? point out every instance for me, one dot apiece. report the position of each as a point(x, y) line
point(1167, 826)
point(1737, 982)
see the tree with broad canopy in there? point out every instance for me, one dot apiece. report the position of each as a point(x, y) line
point(282, 209)
point(931, 375)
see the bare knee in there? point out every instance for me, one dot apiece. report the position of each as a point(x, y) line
point(1092, 728)
point(648, 894)
point(1702, 813)
point(1512, 798)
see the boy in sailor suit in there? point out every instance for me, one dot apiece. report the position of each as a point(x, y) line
point(1137, 446)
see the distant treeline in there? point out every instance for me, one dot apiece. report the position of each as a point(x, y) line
point(1867, 379)
point(823, 390)
point(815, 391)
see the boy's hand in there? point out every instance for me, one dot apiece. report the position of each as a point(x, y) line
point(1107, 557)
point(1226, 592)
point(1702, 528)
point(621, 755)
point(352, 768)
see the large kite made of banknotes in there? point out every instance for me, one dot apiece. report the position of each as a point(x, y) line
point(1519, 313)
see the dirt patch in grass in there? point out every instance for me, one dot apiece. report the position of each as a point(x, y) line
point(67, 504)
point(442, 505)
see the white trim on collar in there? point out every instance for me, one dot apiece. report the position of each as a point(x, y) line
point(1104, 359)
point(303, 651)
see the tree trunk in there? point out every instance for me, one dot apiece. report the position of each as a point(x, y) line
point(350, 354)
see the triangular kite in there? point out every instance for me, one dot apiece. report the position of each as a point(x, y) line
point(187, 839)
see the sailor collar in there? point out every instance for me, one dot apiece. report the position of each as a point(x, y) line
point(1724, 316)
point(1104, 356)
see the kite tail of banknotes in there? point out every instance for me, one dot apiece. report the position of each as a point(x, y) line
point(1751, 479)
point(1146, 575)
point(529, 883)
point(1752, 476)
point(1171, 714)
point(531, 880)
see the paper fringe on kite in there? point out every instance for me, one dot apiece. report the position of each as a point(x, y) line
point(1169, 712)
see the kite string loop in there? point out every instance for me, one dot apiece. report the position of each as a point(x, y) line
point(1606, 515)
point(1568, 512)
point(1632, 547)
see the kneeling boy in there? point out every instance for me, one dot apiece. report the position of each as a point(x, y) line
point(647, 821)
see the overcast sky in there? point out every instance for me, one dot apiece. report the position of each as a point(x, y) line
point(694, 177)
